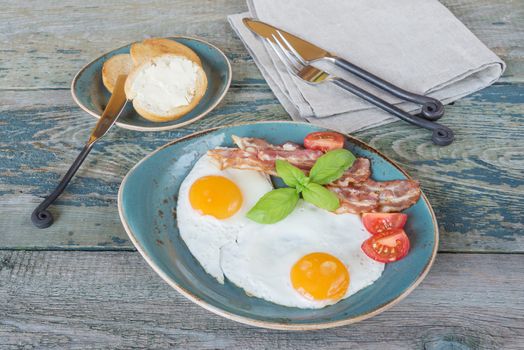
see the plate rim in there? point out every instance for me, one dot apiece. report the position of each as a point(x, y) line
point(156, 128)
point(268, 324)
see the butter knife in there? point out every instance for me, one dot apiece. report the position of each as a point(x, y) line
point(432, 108)
point(41, 217)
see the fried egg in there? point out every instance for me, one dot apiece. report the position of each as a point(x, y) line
point(212, 206)
point(310, 259)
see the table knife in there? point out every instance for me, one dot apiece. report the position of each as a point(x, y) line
point(41, 217)
point(432, 109)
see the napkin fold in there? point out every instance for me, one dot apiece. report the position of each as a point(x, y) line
point(418, 45)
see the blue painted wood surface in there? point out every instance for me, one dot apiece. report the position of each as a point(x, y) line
point(100, 299)
point(94, 300)
point(476, 184)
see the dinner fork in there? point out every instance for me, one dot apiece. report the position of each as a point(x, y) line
point(298, 67)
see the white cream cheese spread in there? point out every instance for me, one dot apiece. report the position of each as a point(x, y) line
point(167, 83)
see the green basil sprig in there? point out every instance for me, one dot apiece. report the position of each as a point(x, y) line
point(274, 206)
point(331, 166)
point(277, 204)
point(320, 196)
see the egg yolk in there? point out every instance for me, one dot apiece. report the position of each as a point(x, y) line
point(216, 196)
point(320, 276)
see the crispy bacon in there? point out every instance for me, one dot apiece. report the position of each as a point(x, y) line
point(371, 196)
point(356, 191)
point(289, 151)
point(239, 159)
point(301, 157)
point(254, 145)
point(360, 171)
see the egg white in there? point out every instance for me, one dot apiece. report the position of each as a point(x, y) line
point(204, 235)
point(261, 259)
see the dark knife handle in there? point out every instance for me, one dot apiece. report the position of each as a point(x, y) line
point(41, 217)
point(442, 135)
point(432, 108)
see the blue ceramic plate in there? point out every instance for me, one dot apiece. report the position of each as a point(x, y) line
point(90, 94)
point(147, 200)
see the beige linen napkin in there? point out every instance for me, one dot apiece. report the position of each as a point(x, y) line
point(415, 44)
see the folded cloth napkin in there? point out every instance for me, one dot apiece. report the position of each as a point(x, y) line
point(417, 45)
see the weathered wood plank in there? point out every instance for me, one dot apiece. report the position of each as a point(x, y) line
point(51, 42)
point(113, 299)
point(500, 25)
point(476, 185)
point(45, 44)
point(40, 141)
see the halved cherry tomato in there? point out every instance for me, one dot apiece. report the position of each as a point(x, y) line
point(377, 223)
point(324, 141)
point(387, 247)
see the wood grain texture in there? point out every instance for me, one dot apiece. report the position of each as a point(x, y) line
point(114, 300)
point(475, 185)
point(77, 300)
point(500, 26)
point(46, 43)
point(39, 142)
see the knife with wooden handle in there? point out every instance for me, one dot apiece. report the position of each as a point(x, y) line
point(41, 217)
point(432, 109)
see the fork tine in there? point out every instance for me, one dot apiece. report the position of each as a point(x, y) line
point(291, 49)
point(290, 68)
point(290, 57)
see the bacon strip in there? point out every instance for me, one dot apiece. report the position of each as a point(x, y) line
point(239, 159)
point(360, 171)
point(300, 157)
point(289, 151)
point(356, 191)
point(371, 196)
point(254, 145)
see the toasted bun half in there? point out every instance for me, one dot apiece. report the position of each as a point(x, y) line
point(115, 66)
point(150, 48)
point(157, 100)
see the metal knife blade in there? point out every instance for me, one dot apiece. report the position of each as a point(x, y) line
point(432, 109)
point(306, 49)
point(113, 110)
point(41, 217)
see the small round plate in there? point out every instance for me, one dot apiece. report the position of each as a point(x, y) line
point(90, 94)
point(147, 201)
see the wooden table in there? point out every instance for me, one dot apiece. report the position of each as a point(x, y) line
point(81, 284)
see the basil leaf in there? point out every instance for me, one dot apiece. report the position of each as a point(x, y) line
point(321, 197)
point(274, 206)
point(331, 166)
point(291, 175)
point(300, 186)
